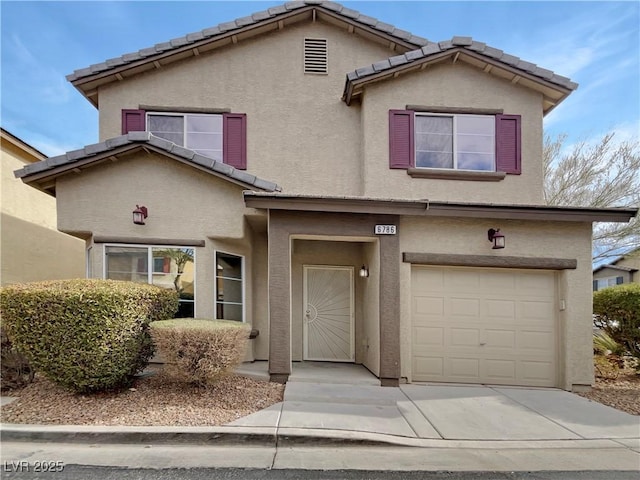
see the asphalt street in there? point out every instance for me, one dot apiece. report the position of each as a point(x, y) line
point(79, 472)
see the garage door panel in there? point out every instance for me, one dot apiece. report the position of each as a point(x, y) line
point(428, 336)
point(535, 340)
point(495, 338)
point(536, 372)
point(500, 308)
point(484, 326)
point(463, 337)
point(432, 367)
point(467, 307)
point(461, 367)
point(428, 305)
point(500, 370)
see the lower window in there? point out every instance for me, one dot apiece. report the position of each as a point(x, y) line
point(167, 267)
point(229, 287)
point(601, 283)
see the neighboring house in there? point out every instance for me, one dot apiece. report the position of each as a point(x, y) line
point(337, 179)
point(620, 271)
point(31, 247)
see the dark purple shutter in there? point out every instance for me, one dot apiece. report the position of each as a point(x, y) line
point(595, 285)
point(235, 140)
point(619, 280)
point(401, 149)
point(133, 121)
point(508, 151)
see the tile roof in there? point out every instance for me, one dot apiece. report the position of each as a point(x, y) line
point(117, 145)
point(253, 19)
point(466, 43)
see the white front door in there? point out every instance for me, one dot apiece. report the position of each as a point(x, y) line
point(328, 315)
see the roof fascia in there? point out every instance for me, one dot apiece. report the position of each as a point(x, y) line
point(421, 63)
point(39, 179)
point(437, 209)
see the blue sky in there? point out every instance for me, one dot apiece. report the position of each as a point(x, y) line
point(596, 44)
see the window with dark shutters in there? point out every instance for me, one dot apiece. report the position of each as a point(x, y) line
point(234, 133)
point(235, 140)
point(508, 150)
point(133, 121)
point(401, 145)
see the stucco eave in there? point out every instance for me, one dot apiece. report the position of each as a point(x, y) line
point(437, 209)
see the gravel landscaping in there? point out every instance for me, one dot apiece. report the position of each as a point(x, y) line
point(152, 400)
point(622, 392)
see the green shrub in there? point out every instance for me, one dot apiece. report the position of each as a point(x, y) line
point(199, 351)
point(15, 371)
point(85, 335)
point(617, 312)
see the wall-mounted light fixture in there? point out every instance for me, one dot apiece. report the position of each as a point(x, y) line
point(139, 214)
point(364, 272)
point(496, 237)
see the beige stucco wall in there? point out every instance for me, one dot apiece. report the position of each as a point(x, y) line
point(31, 248)
point(448, 85)
point(299, 132)
point(183, 203)
point(523, 239)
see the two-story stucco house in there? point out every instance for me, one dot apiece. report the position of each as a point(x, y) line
point(339, 183)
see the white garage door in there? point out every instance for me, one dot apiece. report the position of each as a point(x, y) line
point(477, 325)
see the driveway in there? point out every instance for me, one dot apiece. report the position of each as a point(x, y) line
point(446, 412)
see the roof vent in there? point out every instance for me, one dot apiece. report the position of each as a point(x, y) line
point(316, 56)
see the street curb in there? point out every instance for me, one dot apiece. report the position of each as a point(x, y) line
point(220, 436)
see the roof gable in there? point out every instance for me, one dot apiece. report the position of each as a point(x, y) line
point(87, 80)
point(554, 88)
point(43, 174)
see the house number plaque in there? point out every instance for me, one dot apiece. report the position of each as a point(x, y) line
point(385, 230)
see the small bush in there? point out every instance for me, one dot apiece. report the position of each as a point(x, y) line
point(85, 335)
point(15, 371)
point(617, 312)
point(199, 351)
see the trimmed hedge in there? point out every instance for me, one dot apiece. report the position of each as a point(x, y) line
point(198, 351)
point(15, 371)
point(617, 312)
point(85, 335)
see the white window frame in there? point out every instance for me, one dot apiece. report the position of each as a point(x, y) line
point(455, 117)
point(215, 284)
point(184, 126)
point(151, 273)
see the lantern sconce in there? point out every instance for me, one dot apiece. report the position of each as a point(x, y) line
point(364, 272)
point(496, 237)
point(139, 215)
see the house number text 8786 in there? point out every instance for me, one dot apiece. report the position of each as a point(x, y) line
point(385, 230)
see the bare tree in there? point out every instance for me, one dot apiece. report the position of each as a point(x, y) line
point(601, 174)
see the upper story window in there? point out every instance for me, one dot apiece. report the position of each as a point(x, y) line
point(201, 133)
point(221, 136)
point(463, 142)
point(480, 143)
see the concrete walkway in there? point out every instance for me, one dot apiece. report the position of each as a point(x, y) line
point(441, 416)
